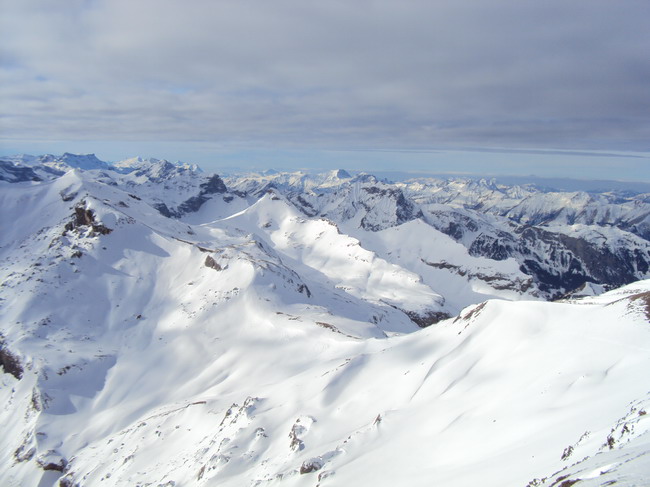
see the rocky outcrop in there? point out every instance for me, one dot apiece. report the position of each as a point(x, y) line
point(52, 460)
point(10, 361)
point(312, 465)
point(214, 185)
point(560, 262)
point(427, 318)
point(494, 248)
point(212, 264)
point(85, 217)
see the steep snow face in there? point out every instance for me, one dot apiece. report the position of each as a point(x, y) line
point(446, 265)
point(326, 254)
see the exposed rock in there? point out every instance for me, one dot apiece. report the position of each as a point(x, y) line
point(67, 196)
point(164, 210)
point(214, 185)
point(374, 220)
point(565, 483)
point(305, 206)
point(85, 217)
point(311, 465)
point(191, 204)
point(52, 460)
point(67, 481)
point(212, 264)
point(10, 362)
point(25, 451)
point(303, 289)
point(567, 452)
point(490, 247)
point(644, 300)
point(427, 318)
point(296, 443)
point(300, 427)
point(473, 313)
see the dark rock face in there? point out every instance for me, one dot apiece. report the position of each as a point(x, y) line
point(452, 223)
point(10, 362)
point(164, 210)
point(559, 262)
point(427, 318)
point(574, 261)
point(305, 206)
point(85, 217)
point(214, 185)
point(405, 210)
point(212, 264)
point(491, 247)
point(303, 289)
point(191, 205)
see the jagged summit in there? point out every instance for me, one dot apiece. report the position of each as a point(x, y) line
point(59, 164)
point(153, 165)
point(341, 174)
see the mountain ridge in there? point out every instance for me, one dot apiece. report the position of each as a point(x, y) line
point(257, 338)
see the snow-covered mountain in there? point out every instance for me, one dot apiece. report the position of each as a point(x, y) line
point(559, 240)
point(162, 326)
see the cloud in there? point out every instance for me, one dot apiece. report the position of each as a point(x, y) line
point(336, 74)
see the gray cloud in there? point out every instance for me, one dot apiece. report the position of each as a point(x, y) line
point(337, 74)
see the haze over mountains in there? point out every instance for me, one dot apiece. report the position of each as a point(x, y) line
point(163, 326)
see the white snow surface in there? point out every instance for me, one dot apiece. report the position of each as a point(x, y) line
point(264, 347)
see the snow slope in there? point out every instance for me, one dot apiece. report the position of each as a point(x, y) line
point(268, 347)
point(559, 239)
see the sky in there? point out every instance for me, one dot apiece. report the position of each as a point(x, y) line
point(551, 88)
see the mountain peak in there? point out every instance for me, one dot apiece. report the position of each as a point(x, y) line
point(82, 161)
point(152, 166)
point(341, 174)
